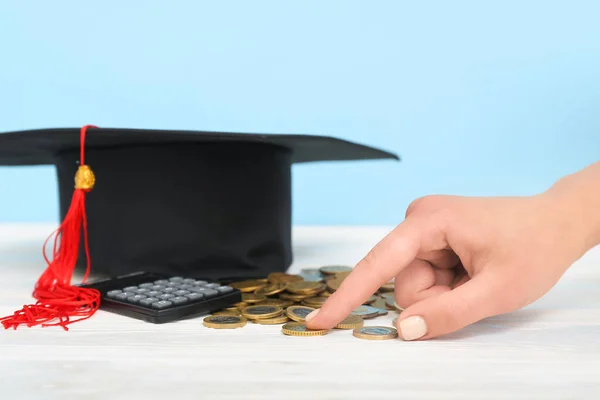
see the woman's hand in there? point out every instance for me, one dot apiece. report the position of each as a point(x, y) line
point(457, 260)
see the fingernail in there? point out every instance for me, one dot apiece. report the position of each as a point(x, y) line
point(312, 314)
point(412, 328)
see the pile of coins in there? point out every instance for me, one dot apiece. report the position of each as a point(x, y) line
point(286, 299)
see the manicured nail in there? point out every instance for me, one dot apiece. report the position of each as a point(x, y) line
point(312, 314)
point(412, 328)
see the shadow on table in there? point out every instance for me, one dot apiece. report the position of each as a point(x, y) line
point(499, 324)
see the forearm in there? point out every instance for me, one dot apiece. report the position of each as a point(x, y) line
point(578, 197)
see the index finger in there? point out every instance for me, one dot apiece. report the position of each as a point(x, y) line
point(392, 254)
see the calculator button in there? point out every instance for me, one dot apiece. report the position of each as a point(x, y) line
point(181, 292)
point(148, 301)
point(161, 304)
point(153, 293)
point(176, 279)
point(179, 300)
point(225, 289)
point(194, 296)
point(113, 293)
point(136, 298)
point(189, 280)
point(212, 285)
point(146, 285)
point(207, 292)
point(200, 283)
point(130, 289)
point(168, 289)
point(173, 284)
point(161, 282)
point(166, 296)
point(185, 286)
point(142, 291)
point(122, 296)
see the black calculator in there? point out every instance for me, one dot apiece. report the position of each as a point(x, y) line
point(158, 298)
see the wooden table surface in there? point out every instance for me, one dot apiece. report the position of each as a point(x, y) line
point(549, 350)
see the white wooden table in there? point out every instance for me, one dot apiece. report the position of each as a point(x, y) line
point(550, 350)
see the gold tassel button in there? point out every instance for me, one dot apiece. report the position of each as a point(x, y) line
point(84, 178)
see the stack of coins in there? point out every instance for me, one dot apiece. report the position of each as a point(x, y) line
point(286, 299)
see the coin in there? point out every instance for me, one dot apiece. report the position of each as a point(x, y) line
point(375, 333)
point(379, 303)
point(261, 311)
point(271, 289)
point(395, 321)
point(299, 329)
point(228, 312)
point(351, 322)
point(252, 298)
point(365, 312)
point(381, 312)
point(392, 305)
point(334, 269)
point(224, 321)
point(294, 297)
point(370, 300)
point(387, 295)
point(282, 277)
point(314, 301)
point(247, 286)
point(240, 304)
point(387, 287)
point(298, 313)
point(310, 271)
point(272, 321)
point(312, 277)
point(305, 287)
point(277, 302)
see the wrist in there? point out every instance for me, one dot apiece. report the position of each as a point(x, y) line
point(576, 200)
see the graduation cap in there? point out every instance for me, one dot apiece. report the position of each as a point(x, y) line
point(194, 203)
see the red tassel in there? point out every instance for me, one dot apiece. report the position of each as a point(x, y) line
point(57, 300)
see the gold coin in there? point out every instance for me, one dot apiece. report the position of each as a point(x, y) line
point(334, 269)
point(314, 301)
point(224, 321)
point(282, 319)
point(228, 312)
point(294, 297)
point(271, 289)
point(298, 313)
point(395, 322)
point(305, 287)
point(252, 298)
point(299, 329)
point(232, 309)
point(278, 302)
point(351, 322)
point(325, 294)
point(365, 312)
point(261, 311)
point(281, 277)
point(334, 284)
point(247, 286)
point(370, 300)
point(375, 333)
point(240, 304)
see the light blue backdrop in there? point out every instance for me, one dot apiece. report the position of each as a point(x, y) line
point(478, 97)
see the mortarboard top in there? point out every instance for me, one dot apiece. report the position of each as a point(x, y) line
point(195, 203)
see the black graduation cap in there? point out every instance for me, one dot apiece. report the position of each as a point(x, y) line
point(193, 203)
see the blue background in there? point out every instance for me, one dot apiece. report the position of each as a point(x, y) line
point(478, 97)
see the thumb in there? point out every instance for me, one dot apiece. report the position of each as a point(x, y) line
point(476, 299)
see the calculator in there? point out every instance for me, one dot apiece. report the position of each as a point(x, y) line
point(158, 298)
